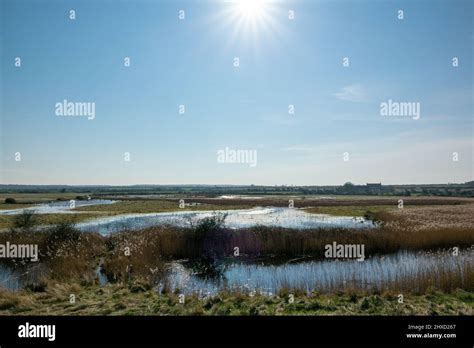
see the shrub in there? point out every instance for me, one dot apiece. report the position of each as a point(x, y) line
point(10, 200)
point(61, 238)
point(24, 221)
point(206, 235)
point(209, 224)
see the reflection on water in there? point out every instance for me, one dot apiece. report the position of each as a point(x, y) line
point(100, 275)
point(271, 216)
point(375, 273)
point(15, 279)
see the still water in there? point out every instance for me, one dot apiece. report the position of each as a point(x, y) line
point(268, 216)
point(378, 272)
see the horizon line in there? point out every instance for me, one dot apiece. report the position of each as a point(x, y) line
point(236, 185)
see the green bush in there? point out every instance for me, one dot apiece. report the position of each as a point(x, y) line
point(24, 221)
point(209, 224)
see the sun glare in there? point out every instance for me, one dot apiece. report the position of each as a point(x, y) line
point(250, 8)
point(249, 20)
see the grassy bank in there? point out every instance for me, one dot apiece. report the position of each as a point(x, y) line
point(135, 299)
point(52, 219)
point(39, 197)
point(153, 206)
point(7, 206)
point(351, 210)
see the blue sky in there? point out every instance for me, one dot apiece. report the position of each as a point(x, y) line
point(190, 62)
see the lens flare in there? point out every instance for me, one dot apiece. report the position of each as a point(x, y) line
point(250, 8)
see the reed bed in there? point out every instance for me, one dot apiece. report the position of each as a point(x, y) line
point(128, 255)
point(178, 243)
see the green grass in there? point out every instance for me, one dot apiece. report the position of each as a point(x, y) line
point(123, 299)
point(358, 210)
point(350, 210)
point(5, 206)
point(44, 197)
point(152, 206)
point(6, 221)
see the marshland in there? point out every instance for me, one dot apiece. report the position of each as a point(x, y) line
point(237, 254)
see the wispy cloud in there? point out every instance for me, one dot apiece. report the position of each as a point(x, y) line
point(353, 93)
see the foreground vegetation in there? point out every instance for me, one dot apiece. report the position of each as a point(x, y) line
point(134, 262)
point(67, 254)
point(138, 299)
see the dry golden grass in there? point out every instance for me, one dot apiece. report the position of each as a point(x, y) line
point(120, 299)
point(63, 252)
point(302, 202)
point(434, 217)
point(175, 243)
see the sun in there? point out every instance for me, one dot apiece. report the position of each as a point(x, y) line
point(248, 21)
point(250, 8)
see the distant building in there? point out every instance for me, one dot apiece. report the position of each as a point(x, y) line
point(374, 187)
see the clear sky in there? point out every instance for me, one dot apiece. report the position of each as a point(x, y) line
point(190, 62)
